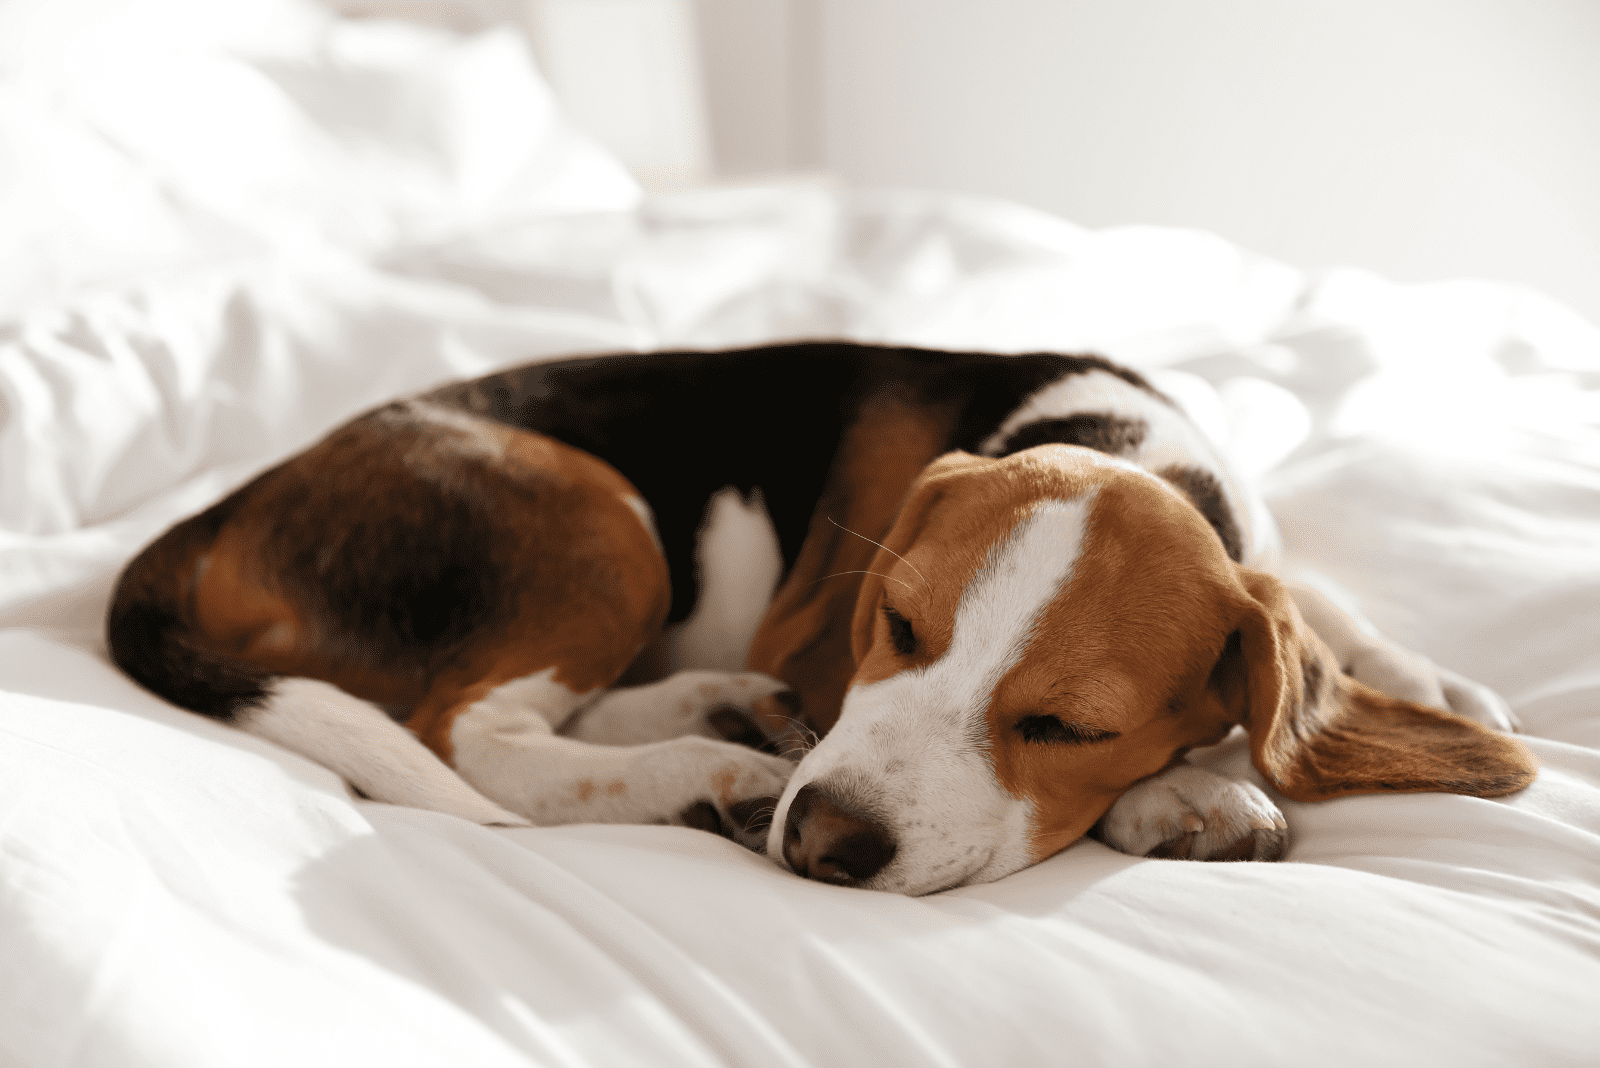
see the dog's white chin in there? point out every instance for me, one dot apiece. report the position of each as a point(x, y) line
point(923, 876)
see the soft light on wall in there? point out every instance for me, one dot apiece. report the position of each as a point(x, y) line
point(1421, 138)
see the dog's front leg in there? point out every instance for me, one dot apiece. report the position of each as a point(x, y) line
point(1189, 813)
point(513, 756)
point(708, 704)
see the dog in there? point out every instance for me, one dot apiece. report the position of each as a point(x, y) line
point(1015, 591)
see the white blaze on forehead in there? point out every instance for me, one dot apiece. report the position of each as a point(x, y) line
point(999, 608)
point(912, 745)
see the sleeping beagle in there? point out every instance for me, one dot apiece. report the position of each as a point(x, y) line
point(1015, 591)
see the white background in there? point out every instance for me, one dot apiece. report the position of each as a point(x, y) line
point(1423, 139)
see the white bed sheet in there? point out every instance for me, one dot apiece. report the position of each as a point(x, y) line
point(178, 894)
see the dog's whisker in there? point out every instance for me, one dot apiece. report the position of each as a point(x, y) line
point(801, 736)
point(760, 819)
point(797, 741)
point(886, 578)
point(885, 548)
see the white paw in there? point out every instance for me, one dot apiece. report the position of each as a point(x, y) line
point(1188, 813)
point(1475, 701)
point(710, 704)
point(722, 706)
point(715, 786)
point(1399, 673)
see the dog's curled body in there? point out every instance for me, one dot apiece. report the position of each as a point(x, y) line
point(969, 544)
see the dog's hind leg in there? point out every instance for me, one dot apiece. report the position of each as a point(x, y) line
point(503, 742)
point(356, 740)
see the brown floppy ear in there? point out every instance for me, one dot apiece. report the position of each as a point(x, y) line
point(920, 501)
point(1316, 733)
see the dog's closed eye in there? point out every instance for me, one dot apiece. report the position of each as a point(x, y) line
point(1052, 730)
point(901, 636)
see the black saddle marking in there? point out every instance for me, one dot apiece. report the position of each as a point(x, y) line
point(682, 425)
point(1100, 431)
point(1205, 492)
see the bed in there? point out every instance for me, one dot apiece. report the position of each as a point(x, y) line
point(224, 235)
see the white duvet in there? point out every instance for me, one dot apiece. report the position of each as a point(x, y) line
point(176, 894)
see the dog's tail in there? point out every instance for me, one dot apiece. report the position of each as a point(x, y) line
point(151, 636)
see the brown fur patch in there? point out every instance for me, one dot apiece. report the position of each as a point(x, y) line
point(507, 553)
point(723, 782)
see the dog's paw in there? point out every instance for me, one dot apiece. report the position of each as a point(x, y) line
point(1188, 813)
point(1397, 672)
point(721, 787)
point(708, 704)
point(1475, 701)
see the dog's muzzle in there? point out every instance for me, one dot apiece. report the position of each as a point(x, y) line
point(826, 841)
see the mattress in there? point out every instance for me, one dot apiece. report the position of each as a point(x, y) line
point(175, 893)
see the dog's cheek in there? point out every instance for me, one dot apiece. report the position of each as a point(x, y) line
point(1067, 789)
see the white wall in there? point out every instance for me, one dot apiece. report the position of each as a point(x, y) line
point(1420, 138)
point(629, 72)
point(753, 72)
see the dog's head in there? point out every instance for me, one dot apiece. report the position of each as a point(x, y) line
point(1040, 632)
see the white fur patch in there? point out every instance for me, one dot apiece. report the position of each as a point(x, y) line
point(502, 741)
point(369, 750)
point(912, 749)
point(538, 693)
point(739, 563)
point(668, 708)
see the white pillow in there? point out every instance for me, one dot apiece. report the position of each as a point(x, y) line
point(191, 147)
point(388, 132)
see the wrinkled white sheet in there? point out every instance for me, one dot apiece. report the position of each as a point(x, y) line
point(173, 893)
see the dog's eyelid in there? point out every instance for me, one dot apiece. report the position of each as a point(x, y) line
point(901, 634)
point(1046, 729)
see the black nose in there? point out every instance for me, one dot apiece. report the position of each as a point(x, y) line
point(826, 841)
